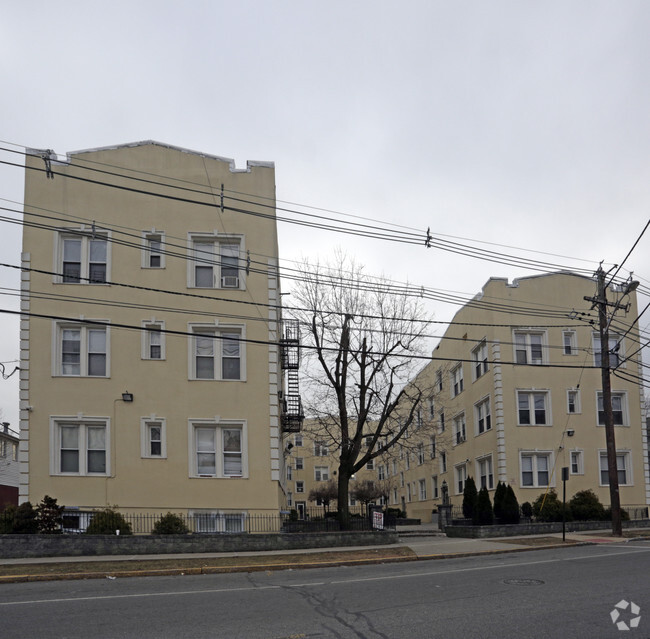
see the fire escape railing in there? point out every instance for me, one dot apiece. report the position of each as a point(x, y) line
point(290, 401)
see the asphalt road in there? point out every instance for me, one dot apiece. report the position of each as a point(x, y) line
point(563, 593)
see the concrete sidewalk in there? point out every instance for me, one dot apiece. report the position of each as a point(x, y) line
point(423, 542)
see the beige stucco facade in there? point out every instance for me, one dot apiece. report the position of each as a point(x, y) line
point(181, 313)
point(512, 395)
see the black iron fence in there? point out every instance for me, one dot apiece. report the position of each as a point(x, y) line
point(197, 522)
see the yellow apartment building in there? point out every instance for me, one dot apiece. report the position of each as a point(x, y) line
point(152, 372)
point(515, 396)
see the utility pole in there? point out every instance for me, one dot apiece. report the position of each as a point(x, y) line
point(603, 325)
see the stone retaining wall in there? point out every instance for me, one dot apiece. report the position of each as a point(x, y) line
point(19, 546)
point(539, 528)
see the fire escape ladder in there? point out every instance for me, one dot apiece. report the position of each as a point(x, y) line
point(291, 403)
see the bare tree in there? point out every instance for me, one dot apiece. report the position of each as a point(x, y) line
point(325, 492)
point(366, 491)
point(363, 338)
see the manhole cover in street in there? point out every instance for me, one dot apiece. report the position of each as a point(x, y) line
point(523, 582)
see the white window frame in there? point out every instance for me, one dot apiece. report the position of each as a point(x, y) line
point(485, 471)
point(482, 416)
point(381, 473)
point(217, 521)
point(85, 351)
point(480, 364)
point(289, 499)
point(618, 397)
point(85, 236)
point(432, 445)
point(370, 465)
point(439, 380)
point(532, 395)
point(320, 448)
point(577, 462)
point(536, 469)
point(577, 406)
point(150, 253)
point(83, 424)
point(321, 473)
point(441, 421)
point(212, 259)
point(460, 477)
point(435, 493)
point(300, 486)
point(432, 409)
point(220, 455)
point(300, 463)
point(289, 472)
point(146, 424)
point(460, 429)
point(149, 329)
point(219, 334)
point(615, 359)
point(297, 440)
point(603, 469)
point(456, 380)
point(569, 343)
point(422, 486)
point(420, 453)
point(443, 462)
point(525, 352)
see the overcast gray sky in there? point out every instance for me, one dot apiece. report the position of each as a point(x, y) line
point(518, 123)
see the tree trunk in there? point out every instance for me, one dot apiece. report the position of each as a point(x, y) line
point(343, 494)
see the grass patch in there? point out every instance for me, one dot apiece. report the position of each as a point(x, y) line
point(195, 564)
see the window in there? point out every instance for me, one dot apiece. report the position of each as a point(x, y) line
point(480, 360)
point(371, 465)
point(8, 450)
point(573, 401)
point(219, 450)
point(153, 438)
point(569, 343)
point(439, 380)
point(408, 459)
point(615, 350)
point(408, 492)
point(401, 480)
point(418, 419)
point(622, 466)
point(434, 487)
point(535, 469)
point(482, 416)
point(321, 473)
point(80, 447)
point(289, 499)
point(457, 380)
point(423, 489)
point(83, 259)
point(217, 353)
point(82, 350)
point(297, 440)
point(459, 429)
point(300, 486)
point(153, 340)
point(619, 409)
point(432, 409)
point(577, 463)
point(442, 421)
point(460, 473)
point(433, 447)
point(420, 454)
point(443, 462)
point(394, 495)
point(533, 408)
point(152, 254)
point(215, 262)
point(529, 347)
point(210, 521)
point(381, 473)
point(320, 449)
point(484, 468)
point(299, 463)
point(289, 473)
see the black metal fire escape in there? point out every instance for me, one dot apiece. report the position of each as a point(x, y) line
point(290, 402)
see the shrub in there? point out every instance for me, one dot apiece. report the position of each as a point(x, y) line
point(552, 510)
point(510, 507)
point(170, 524)
point(499, 495)
point(7, 517)
point(585, 505)
point(527, 509)
point(25, 519)
point(106, 522)
point(49, 516)
point(484, 514)
point(607, 516)
point(470, 497)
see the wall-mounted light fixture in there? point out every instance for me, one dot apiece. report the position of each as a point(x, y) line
point(570, 432)
point(127, 397)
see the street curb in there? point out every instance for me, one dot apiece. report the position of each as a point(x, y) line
point(212, 570)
